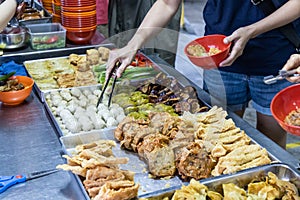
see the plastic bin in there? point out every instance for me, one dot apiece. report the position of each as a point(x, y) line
point(47, 36)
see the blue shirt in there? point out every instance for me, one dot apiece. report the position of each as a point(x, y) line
point(263, 55)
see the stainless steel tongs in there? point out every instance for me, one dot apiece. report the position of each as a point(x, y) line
point(112, 72)
point(281, 75)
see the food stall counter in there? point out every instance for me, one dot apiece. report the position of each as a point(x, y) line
point(29, 143)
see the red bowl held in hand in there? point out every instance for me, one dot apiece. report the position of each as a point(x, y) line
point(283, 103)
point(208, 42)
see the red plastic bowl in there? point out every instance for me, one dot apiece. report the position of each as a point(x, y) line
point(213, 61)
point(283, 103)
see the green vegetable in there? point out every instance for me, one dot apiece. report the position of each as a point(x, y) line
point(39, 43)
point(5, 77)
point(100, 68)
point(138, 115)
point(131, 73)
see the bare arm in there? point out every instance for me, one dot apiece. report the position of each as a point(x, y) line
point(157, 17)
point(7, 10)
point(282, 16)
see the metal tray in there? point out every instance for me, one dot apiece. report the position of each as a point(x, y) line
point(47, 18)
point(40, 92)
point(148, 186)
point(241, 179)
point(55, 122)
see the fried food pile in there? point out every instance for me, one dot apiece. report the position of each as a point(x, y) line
point(83, 65)
point(100, 168)
point(269, 189)
point(97, 56)
point(194, 145)
point(293, 118)
point(76, 70)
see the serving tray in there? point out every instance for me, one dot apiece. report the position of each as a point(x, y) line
point(148, 186)
point(241, 179)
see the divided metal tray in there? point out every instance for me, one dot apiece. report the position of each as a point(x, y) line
point(40, 92)
point(47, 18)
point(148, 186)
point(241, 179)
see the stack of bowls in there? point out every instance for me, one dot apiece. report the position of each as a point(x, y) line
point(56, 11)
point(47, 4)
point(79, 19)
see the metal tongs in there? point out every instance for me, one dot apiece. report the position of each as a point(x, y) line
point(281, 75)
point(112, 72)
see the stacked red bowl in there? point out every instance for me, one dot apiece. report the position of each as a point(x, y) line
point(79, 19)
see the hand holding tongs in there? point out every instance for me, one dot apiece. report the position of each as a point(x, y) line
point(281, 75)
point(7, 181)
point(116, 66)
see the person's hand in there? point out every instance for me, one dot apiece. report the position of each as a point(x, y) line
point(124, 55)
point(239, 39)
point(293, 63)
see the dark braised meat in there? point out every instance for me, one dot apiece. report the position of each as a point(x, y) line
point(166, 90)
point(193, 161)
point(11, 85)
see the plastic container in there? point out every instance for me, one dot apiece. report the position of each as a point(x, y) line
point(47, 36)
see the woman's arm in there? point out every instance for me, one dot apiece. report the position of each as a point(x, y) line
point(157, 17)
point(282, 16)
point(7, 10)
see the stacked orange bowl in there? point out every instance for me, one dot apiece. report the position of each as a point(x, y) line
point(47, 4)
point(79, 19)
point(56, 11)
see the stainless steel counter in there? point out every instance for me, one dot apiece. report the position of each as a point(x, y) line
point(28, 143)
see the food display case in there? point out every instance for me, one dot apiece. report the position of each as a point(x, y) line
point(32, 140)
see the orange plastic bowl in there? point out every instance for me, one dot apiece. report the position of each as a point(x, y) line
point(213, 61)
point(283, 103)
point(17, 97)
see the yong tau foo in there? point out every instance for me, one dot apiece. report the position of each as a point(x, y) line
point(269, 188)
point(207, 52)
